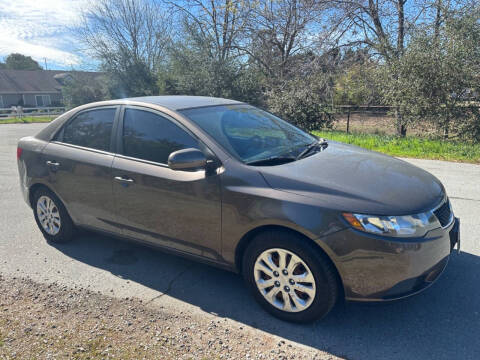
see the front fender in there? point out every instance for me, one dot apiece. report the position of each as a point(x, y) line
point(253, 205)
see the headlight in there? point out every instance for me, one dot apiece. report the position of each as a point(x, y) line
point(402, 226)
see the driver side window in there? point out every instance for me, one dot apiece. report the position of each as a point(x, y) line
point(149, 136)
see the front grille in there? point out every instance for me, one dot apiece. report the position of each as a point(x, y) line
point(444, 213)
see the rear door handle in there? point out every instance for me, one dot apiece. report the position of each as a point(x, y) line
point(53, 163)
point(123, 179)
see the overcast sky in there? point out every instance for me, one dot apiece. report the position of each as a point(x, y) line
point(42, 29)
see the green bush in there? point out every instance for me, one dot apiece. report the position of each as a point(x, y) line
point(301, 102)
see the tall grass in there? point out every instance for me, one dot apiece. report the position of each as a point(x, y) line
point(414, 147)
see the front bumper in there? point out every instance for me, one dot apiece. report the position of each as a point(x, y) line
point(375, 268)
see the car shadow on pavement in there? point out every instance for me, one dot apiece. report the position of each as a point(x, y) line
point(441, 323)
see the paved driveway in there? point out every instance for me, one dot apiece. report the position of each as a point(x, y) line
point(441, 323)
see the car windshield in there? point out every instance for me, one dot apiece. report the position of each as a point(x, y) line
point(250, 134)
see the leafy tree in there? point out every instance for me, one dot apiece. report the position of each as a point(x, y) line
point(386, 28)
point(438, 76)
point(197, 65)
point(302, 101)
point(191, 74)
point(357, 86)
point(82, 88)
point(21, 62)
point(381, 26)
point(126, 76)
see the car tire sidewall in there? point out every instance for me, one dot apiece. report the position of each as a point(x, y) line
point(326, 283)
point(66, 225)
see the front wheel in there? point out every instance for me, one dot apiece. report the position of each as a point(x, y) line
point(290, 277)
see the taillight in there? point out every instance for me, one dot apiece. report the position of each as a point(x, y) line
point(19, 152)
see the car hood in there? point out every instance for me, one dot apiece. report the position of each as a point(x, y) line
point(348, 178)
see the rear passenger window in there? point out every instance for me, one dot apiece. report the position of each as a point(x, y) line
point(91, 129)
point(149, 136)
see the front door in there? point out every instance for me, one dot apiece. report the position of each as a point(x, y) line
point(175, 209)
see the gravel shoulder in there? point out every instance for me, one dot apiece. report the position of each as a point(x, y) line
point(53, 322)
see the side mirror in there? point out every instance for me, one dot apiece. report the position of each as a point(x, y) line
point(187, 160)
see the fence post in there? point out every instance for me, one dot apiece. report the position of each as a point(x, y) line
point(348, 121)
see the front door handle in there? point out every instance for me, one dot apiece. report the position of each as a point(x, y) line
point(123, 179)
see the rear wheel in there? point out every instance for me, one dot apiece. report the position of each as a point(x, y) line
point(290, 277)
point(52, 217)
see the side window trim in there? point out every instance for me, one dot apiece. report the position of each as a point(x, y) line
point(82, 147)
point(58, 138)
point(141, 160)
point(113, 135)
point(119, 130)
point(59, 135)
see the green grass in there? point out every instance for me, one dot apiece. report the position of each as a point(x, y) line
point(27, 119)
point(413, 147)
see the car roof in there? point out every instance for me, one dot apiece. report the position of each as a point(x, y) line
point(180, 102)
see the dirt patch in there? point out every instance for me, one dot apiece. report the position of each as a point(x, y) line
point(53, 322)
point(379, 123)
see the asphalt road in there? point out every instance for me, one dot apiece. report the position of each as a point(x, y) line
point(441, 323)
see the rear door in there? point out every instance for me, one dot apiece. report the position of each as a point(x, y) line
point(175, 209)
point(80, 167)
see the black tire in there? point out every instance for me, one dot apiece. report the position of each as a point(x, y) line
point(67, 228)
point(325, 275)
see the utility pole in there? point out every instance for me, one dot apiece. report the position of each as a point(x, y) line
point(45, 61)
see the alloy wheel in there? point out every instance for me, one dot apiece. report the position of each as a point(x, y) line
point(48, 215)
point(284, 280)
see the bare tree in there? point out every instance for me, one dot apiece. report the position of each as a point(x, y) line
point(281, 29)
point(115, 29)
point(220, 23)
point(378, 24)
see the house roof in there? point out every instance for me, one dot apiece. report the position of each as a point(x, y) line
point(32, 81)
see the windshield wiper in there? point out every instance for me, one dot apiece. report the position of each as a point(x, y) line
point(274, 160)
point(318, 144)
